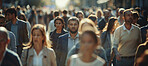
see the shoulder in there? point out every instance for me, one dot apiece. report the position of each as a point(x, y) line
point(63, 36)
point(136, 27)
point(100, 59)
point(49, 50)
point(11, 54)
point(21, 21)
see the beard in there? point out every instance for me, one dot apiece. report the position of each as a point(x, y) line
point(73, 32)
point(129, 20)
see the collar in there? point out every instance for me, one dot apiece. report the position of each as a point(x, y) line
point(31, 52)
point(124, 28)
point(77, 36)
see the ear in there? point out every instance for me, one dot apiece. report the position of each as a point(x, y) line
point(8, 41)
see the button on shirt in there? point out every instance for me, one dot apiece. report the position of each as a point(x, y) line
point(14, 29)
point(71, 41)
point(37, 59)
point(126, 41)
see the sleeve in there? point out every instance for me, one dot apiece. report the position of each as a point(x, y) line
point(26, 38)
point(116, 41)
point(23, 57)
point(12, 42)
point(53, 58)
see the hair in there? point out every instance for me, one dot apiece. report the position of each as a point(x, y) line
point(22, 15)
point(111, 23)
point(92, 17)
point(65, 12)
point(125, 11)
point(92, 34)
point(90, 22)
point(61, 19)
point(73, 19)
point(135, 14)
point(12, 11)
point(99, 10)
point(2, 16)
point(56, 13)
point(46, 43)
point(4, 31)
point(79, 12)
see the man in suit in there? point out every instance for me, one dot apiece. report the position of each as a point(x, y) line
point(18, 27)
point(67, 41)
point(7, 57)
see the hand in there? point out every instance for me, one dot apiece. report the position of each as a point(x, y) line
point(118, 57)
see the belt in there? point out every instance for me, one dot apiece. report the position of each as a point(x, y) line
point(128, 57)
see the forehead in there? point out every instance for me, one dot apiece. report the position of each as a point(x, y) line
point(2, 35)
point(58, 20)
point(36, 31)
point(73, 22)
point(128, 13)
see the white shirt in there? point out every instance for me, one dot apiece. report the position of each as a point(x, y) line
point(76, 61)
point(37, 59)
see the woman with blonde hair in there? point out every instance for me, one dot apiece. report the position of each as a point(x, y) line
point(38, 51)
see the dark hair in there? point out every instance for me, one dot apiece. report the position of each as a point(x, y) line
point(135, 14)
point(79, 12)
point(111, 23)
point(92, 34)
point(22, 15)
point(12, 11)
point(2, 16)
point(61, 19)
point(92, 17)
point(127, 10)
point(64, 11)
point(56, 13)
point(73, 19)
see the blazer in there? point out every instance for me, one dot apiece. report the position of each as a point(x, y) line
point(49, 58)
point(62, 49)
point(22, 31)
point(11, 59)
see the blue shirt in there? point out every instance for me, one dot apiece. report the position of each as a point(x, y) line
point(71, 41)
point(14, 29)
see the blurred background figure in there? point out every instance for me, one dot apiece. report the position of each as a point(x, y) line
point(80, 15)
point(65, 17)
point(121, 16)
point(85, 57)
point(12, 43)
point(38, 51)
point(6, 54)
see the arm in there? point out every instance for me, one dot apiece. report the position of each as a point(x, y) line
point(116, 42)
point(12, 42)
point(53, 58)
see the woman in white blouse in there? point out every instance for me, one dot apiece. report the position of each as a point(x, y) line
point(38, 51)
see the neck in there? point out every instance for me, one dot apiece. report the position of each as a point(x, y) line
point(38, 49)
point(87, 57)
point(59, 31)
point(128, 25)
point(73, 35)
point(14, 20)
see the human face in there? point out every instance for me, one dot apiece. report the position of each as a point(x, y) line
point(58, 25)
point(9, 16)
point(2, 22)
point(99, 14)
point(73, 26)
point(3, 42)
point(86, 27)
point(128, 17)
point(80, 17)
point(87, 44)
point(37, 37)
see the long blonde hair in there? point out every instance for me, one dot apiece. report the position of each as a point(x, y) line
point(42, 28)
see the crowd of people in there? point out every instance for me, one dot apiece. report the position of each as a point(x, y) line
point(88, 37)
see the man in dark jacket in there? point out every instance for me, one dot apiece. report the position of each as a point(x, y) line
point(7, 57)
point(18, 27)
